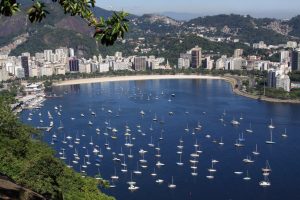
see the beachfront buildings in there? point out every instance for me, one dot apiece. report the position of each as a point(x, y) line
point(63, 60)
point(278, 78)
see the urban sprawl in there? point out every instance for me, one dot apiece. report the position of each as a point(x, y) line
point(63, 60)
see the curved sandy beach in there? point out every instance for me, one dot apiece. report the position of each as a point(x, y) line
point(133, 78)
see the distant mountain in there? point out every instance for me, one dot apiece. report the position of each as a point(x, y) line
point(59, 30)
point(180, 16)
point(294, 23)
point(245, 28)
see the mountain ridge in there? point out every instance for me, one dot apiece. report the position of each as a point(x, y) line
point(75, 33)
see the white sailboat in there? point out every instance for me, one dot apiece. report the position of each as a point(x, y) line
point(61, 126)
point(130, 154)
point(131, 182)
point(133, 188)
point(238, 143)
point(172, 185)
point(115, 177)
point(271, 138)
point(271, 126)
point(212, 169)
point(284, 134)
point(235, 122)
point(159, 181)
point(151, 142)
point(137, 171)
point(248, 160)
point(256, 151)
point(180, 163)
point(249, 130)
point(247, 177)
point(187, 128)
point(210, 176)
point(154, 173)
point(221, 142)
point(265, 182)
point(267, 169)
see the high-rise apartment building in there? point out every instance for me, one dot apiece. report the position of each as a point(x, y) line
point(25, 65)
point(295, 60)
point(74, 65)
point(140, 63)
point(196, 57)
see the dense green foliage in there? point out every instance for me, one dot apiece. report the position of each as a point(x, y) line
point(295, 24)
point(31, 163)
point(107, 30)
point(295, 76)
point(47, 38)
point(249, 29)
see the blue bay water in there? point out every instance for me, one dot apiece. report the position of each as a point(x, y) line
point(195, 101)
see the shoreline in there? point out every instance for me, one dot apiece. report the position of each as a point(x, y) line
point(134, 78)
point(230, 80)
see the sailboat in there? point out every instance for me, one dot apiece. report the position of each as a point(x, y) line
point(194, 172)
point(241, 117)
point(265, 182)
point(198, 128)
point(161, 135)
point(159, 181)
point(221, 142)
point(271, 126)
point(212, 169)
point(151, 142)
point(115, 177)
point(137, 171)
point(155, 118)
point(180, 146)
point(210, 176)
point(154, 173)
point(61, 126)
point(247, 177)
point(130, 154)
point(159, 164)
point(98, 176)
point(266, 170)
point(187, 128)
point(271, 138)
point(238, 143)
point(133, 188)
point(131, 182)
point(91, 142)
point(64, 140)
point(248, 160)
point(172, 185)
point(180, 163)
point(249, 130)
point(284, 134)
point(255, 152)
point(121, 152)
point(235, 122)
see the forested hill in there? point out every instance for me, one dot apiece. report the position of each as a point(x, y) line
point(63, 30)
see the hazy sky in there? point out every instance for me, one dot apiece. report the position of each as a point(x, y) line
point(259, 8)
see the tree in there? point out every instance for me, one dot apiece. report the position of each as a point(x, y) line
point(106, 30)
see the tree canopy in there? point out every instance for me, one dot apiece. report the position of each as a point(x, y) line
point(106, 30)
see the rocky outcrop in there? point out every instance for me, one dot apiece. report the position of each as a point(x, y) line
point(9, 190)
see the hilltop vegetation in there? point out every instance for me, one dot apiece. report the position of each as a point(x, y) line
point(159, 33)
point(31, 163)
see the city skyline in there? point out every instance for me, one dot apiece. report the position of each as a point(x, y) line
point(193, 8)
